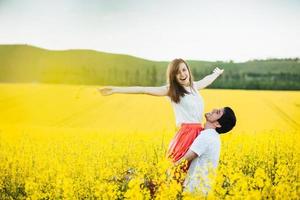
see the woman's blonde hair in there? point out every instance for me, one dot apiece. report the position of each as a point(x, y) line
point(176, 91)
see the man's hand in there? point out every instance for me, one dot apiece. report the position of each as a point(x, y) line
point(182, 164)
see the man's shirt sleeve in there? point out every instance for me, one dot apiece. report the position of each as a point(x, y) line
point(200, 144)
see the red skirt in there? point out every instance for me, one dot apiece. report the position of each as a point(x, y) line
point(183, 140)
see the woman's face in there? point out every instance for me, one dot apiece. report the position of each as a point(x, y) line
point(183, 75)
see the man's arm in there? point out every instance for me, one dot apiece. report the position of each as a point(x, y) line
point(196, 150)
point(189, 156)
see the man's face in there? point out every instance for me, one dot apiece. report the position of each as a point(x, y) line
point(214, 115)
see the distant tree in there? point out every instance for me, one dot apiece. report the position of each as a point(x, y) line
point(195, 73)
point(153, 75)
point(137, 77)
point(126, 80)
point(147, 78)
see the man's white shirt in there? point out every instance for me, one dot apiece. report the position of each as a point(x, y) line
point(207, 146)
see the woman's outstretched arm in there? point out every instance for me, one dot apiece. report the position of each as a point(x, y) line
point(155, 91)
point(207, 80)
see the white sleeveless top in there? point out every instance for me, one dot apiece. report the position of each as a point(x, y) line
point(190, 108)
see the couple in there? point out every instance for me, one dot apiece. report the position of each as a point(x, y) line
point(197, 144)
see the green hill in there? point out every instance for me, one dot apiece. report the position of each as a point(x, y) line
point(24, 63)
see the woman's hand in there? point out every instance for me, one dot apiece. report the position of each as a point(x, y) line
point(155, 91)
point(218, 71)
point(106, 91)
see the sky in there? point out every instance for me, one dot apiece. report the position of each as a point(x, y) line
point(156, 29)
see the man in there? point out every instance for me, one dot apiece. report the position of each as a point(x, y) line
point(204, 153)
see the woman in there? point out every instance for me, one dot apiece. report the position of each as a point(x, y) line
point(187, 103)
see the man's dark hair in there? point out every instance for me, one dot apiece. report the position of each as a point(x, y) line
point(227, 121)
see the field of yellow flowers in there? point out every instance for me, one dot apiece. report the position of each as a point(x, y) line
point(69, 142)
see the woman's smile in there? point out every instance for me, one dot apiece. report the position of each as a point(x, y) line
point(183, 79)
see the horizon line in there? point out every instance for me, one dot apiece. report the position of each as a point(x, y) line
point(152, 60)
